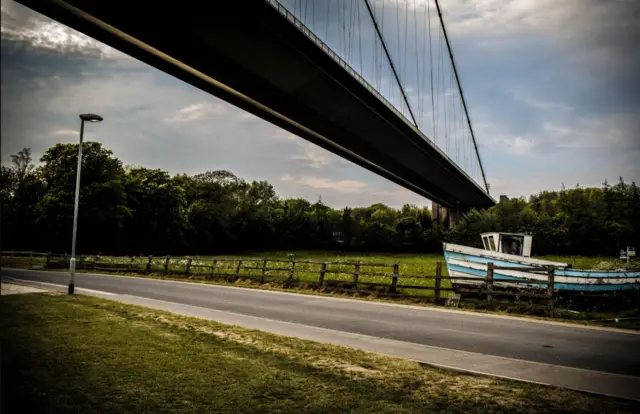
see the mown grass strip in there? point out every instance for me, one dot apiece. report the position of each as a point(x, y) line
point(84, 354)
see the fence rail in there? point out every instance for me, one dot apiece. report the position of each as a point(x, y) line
point(349, 276)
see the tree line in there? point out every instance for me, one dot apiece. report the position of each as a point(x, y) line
point(137, 210)
point(125, 210)
point(576, 221)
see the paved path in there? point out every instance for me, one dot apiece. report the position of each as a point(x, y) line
point(13, 289)
point(597, 360)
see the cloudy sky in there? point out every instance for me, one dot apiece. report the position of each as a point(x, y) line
point(551, 88)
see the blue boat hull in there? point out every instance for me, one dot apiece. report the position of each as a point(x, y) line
point(466, 261)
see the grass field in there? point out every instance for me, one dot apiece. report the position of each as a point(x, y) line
point(84, 354)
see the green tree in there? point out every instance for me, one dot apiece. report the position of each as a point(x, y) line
point(213, 200)
point(20, 190)
point(102, 209)
point(158, 221)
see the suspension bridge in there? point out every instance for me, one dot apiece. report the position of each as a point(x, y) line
point(373, 81)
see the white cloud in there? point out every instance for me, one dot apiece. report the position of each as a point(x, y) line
point(399, 197)
point(505, 17)
point(67, 132)
point(519, 187)
point(339, 186)
point(108, 91)
point(519, 145)
point(605, 132)
point(510, 17)
point(542, 104)
point(512, 145)
point(197, 111)
point(560, 128)
point(191, 109)
point(314, 156)
point(338, 192)
point(35, 31)
point(594, 33)
point(246, 115)
point(282, 135)
point(552, 181)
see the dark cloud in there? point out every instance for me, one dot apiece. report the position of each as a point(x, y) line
point(604, 39)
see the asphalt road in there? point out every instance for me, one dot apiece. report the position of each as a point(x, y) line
point(599, 350)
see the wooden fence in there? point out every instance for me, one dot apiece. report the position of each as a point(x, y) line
point(350, 276)
point(534, 288)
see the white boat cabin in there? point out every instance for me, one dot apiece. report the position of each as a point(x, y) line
point(509, 243)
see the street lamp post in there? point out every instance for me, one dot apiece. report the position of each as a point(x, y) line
point(72, 263)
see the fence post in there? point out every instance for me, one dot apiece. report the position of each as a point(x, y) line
point(394, 278)
point(213, 267)
point(489, 281)
point(48, 263)
point(149, 263)
point(166, 264)
point(95, 261)
point(237, 275)
point(264, 269)
point(187, 267)
point(323, 269)
point(356, 274)
point(551, 272)
point(293, 267)
point(438, 281)
point(131, 263)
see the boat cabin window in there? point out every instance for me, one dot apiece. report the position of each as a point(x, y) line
point(485, 242)
point(511, 245)
point(492, 244)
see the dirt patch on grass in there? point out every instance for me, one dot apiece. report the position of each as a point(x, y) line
point(258, 340)
point(150, 319)
point(230, 336)
point(345, 366)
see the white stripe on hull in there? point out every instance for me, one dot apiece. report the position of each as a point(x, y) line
point(542, 277)
point(480, 281)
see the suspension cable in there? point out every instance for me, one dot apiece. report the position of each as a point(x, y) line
point(404, 59)
point(466, 111)
point(386, 51)
point(433, 109)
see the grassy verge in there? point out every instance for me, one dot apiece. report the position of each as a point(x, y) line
point(85, 354)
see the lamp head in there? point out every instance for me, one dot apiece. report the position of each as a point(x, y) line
point(91, 117)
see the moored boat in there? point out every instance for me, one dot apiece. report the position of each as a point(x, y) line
point(513, 250)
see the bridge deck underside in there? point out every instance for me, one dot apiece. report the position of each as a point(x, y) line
point(254, 50)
